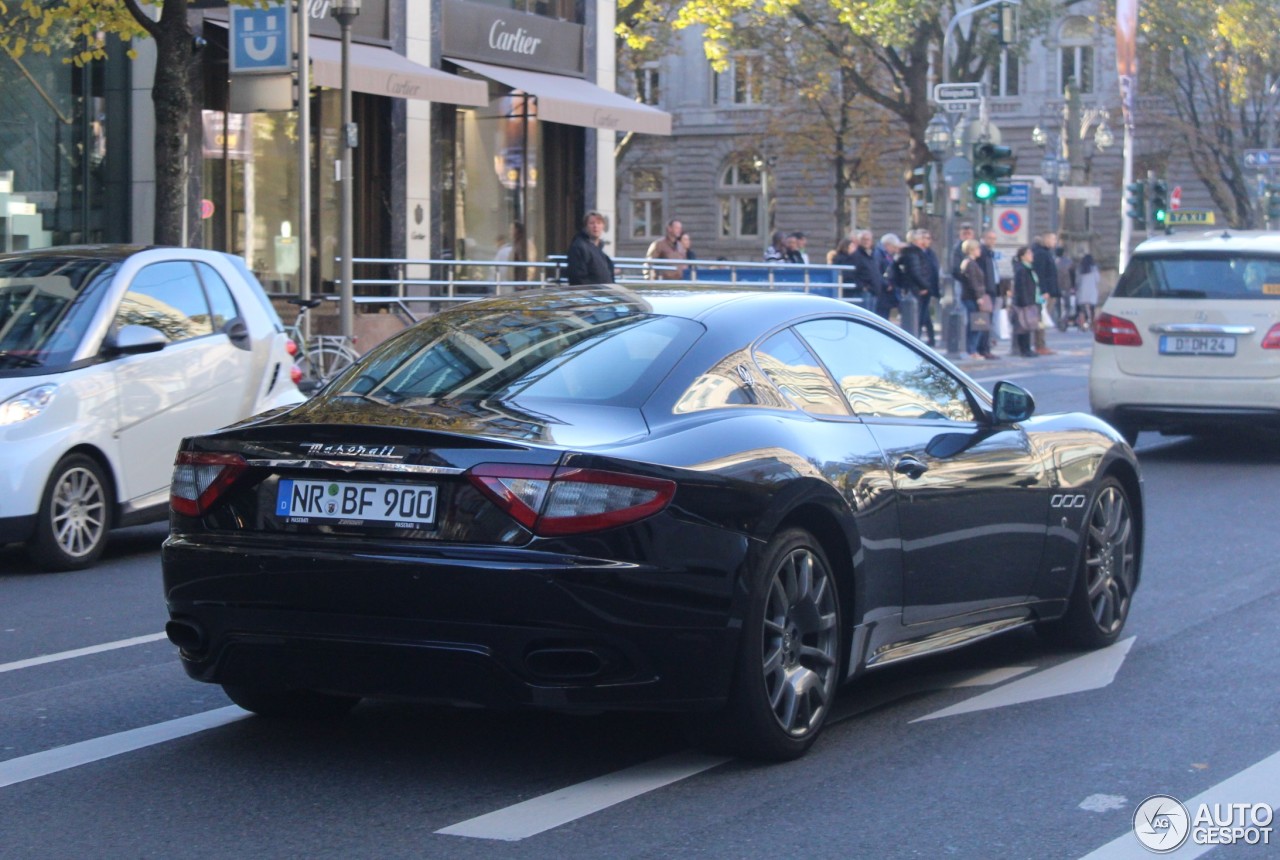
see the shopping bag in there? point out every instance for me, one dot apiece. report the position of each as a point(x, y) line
point(1003, 330)
point(979, 320)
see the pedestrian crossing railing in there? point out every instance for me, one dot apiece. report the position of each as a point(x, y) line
point(414, 288)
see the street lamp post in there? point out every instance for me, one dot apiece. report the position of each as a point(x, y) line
point(346, 11)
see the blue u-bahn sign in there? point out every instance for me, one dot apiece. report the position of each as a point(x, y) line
point(261, 40)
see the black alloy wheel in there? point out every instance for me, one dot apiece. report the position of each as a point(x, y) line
point(1107, 573)
point(74, 517)
point(789, 658)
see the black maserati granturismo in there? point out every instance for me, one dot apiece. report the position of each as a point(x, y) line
point(724, 504)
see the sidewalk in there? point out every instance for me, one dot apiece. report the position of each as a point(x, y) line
point(1070, 342)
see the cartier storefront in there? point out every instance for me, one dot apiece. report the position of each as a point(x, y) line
point(517, 175)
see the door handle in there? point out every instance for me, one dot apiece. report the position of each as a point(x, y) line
point(911, 467)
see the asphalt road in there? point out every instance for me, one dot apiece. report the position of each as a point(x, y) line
point(1006, 749)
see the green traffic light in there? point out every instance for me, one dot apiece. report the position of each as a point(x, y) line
point(984, 190)
point(1160, 216)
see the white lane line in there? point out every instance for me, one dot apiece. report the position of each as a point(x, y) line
point(81, 652)
point(40, 764)
point(538, 814)
point(1259, 783)
point(993, 676)
point(1093, 671)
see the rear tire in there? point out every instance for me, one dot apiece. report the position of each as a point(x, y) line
point(1106, 574)
point(290, 704)
point(74, 516)
point(788, 665)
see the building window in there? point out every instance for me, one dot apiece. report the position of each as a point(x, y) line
point(646, 204)
point(1076, 52)
point(742, 83)
point(1007, 73)
point(741, 201)
point(857, 207)
point(648, 89)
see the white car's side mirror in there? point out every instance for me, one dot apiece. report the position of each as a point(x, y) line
point(134, 339)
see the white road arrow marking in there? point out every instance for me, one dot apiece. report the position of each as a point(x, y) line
point(1090, 672)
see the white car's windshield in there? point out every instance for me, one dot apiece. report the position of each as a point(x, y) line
point(1201, 275)
point(45, 305)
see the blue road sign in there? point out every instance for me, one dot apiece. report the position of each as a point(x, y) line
point(261, 40)
point(1010, 222)
point(1019, 195)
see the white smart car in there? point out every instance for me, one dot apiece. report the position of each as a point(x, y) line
point(109, 356)
point(1189, 340)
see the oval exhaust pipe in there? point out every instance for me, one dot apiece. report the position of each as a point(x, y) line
point(187, 635)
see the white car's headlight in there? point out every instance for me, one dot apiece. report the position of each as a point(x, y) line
point(28, 404)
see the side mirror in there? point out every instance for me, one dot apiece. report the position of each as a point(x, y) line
point(1011, 403)
point(238, 333)
point(136, 339)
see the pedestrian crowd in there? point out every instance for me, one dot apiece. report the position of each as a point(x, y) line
point(903, 281)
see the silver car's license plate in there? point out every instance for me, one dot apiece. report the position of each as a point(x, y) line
point(395, 505)
point(1199, 344)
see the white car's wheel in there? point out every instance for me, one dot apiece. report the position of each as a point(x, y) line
point(74, 517)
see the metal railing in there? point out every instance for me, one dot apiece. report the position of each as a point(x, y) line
point(412, 288)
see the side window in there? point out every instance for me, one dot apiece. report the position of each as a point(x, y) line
point(883, 377)
point(221, 302)
point(798, 375)
point(167, 297)
point(727, 384)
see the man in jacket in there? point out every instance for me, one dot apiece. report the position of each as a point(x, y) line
point(669, 251)
point(588, 263)
point(868, 271)
point(918, 273)
point(1045, 265)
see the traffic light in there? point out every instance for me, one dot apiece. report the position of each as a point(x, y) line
point(991, 163)
point(1136, 200)
point(1273, 201)
point(921, 181)
point(1159, 203)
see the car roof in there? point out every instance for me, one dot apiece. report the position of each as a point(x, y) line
point(693, 303)
point(111, 253)
point(1248, 241)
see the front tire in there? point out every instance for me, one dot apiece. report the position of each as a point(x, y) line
point(789, 657)
point(1106, 574)
point(290, 704)
point(74, 517)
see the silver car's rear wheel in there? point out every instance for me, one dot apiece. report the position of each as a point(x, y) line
point(74, 517)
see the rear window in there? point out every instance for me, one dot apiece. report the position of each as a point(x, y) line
point(1201, 275)
point(607, 354)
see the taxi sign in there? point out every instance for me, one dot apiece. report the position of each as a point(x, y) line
point(1190, 218)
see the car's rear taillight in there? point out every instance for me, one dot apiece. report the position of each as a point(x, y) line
point(552, 502)
point(199, 478)
point(295, 374)
point(1272, 340)
point(1115, 331)
point(291, 347)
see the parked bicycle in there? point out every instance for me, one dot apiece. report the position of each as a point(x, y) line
point(320, 357)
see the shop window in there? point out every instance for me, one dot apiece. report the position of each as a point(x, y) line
point(1076, 53)
point(741, 201)
point(742, 83)
point(646, 204)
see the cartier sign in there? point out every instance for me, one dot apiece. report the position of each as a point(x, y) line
point(490, 34)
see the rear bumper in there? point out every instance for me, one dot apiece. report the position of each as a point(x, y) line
point(504, 628)
point(1175, 404)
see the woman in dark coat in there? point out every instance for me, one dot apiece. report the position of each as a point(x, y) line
point(1025, 308)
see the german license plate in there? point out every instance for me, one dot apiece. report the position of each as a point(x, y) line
point(396, 505)
point(1198, 344)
